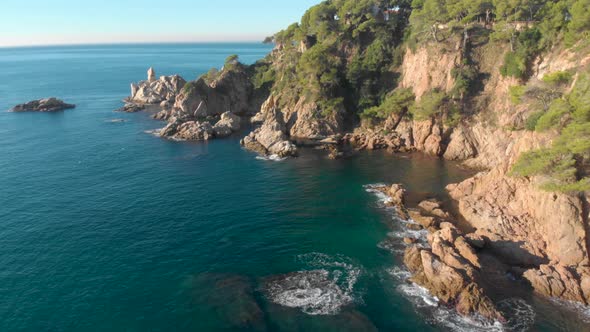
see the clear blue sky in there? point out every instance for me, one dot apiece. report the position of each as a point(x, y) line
point(42, 22)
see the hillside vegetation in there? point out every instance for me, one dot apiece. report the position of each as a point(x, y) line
point(345, 56)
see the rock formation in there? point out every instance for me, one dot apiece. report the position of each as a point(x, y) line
point(270, 138)
point(155, 91)
point(449, 267)
point(43, 105)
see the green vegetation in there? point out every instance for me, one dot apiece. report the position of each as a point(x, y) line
point(516, 93)
point(431, 104)
point(564, 164)
point(398, 102)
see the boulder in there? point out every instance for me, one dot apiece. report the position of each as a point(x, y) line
point(230, 120)
point(43, 105)
point(425, 221)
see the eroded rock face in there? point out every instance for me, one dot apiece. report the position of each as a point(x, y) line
point(560, 281)
point(189, 131)
point(153, 91)
point(43, 105)
point(523, 224)
point(449, 270)
point(270, 138)
point(231, 92)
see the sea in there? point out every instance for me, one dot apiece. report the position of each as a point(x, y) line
point(106, 227)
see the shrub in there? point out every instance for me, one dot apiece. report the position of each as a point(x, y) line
point(429, 105)
point(398, 102)
point(531, 121)
point(558, 78)
point(516, 93)
point(557, 109)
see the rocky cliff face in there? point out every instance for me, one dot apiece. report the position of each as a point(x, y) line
point(231, 92)
point(544, 234)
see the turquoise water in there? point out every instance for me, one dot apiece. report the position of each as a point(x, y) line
point(106, 227)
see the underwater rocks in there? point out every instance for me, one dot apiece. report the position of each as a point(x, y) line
point(231, 298)
point(43, 105)
point(155, 91)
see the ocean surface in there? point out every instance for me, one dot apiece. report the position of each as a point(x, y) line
point(105, 227)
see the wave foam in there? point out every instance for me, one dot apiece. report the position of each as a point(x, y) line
point(323, 290)
point(272, 157)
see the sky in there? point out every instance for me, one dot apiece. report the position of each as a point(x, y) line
point(58, 22)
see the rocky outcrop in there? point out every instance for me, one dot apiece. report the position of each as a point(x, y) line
point(559, 281)
point(449, 270)
point(371, 140)
point(131, 108)
point(43, 105)
point(271, 137)
point(228, 124)
point(523, 224)
point(231, 91)
point(193, 130)
point(188, 131)
point(153, 91)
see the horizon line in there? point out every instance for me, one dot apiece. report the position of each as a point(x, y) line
point(250, 41)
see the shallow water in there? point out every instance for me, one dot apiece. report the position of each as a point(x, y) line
point(106, 227)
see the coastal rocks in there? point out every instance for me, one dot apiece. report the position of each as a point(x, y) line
point(562, 282)
point(306, 120)
point(189, 131)
point(231, 91)
point(43, 105)
point(521, 223)
point(370, 140)
point(449, 270)
point(270, 138)
point(155, 91)
point(460, 146)
point(230, 121)
point(131, 108)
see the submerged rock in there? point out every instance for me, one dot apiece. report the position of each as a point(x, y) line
point(232, 299)
point(43, 105)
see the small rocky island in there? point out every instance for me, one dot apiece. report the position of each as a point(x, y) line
point(43, 105)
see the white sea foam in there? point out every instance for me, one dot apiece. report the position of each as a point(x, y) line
point(115, 120)
point(582, 310)
point(323, 290)
point(155, 132)
point(375, 189)
point(272, 157)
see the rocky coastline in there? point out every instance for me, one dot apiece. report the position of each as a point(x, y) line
point(43, 105)
point(514, 228)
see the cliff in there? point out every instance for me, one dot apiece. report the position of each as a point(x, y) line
point(510, 101)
